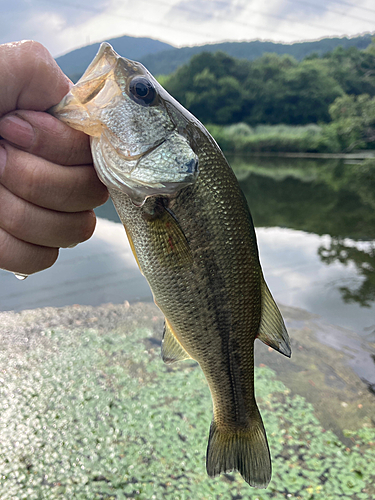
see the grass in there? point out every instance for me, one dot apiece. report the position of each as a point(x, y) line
point(87, 415)
point(243, 139)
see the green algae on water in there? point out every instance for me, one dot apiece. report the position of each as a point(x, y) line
point(89, 414)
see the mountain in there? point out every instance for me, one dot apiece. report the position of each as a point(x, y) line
point(74, 63)
point(168, 61)
point(161, 58)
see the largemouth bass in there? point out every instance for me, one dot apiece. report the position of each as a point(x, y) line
point(192, 235)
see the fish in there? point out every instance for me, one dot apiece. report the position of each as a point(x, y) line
point(192, 235)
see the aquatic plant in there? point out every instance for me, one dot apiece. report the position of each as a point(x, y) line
point(93, 415)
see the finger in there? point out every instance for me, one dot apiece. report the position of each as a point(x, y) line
point(44, 135)
point(65, 189)
point(40, 226)
point(30, 78)
point(24, 258)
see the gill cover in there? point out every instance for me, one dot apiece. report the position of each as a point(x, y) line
point(135, 143)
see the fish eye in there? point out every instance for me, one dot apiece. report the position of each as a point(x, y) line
point(142, 91)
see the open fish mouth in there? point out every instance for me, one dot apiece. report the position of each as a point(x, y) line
point(137, 146)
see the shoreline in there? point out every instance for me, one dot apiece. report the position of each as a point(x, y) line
point(360, 155)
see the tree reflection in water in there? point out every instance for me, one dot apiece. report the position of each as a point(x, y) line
point(325, 197)
point(364, 261)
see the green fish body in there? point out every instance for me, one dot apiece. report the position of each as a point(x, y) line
point(191, 232)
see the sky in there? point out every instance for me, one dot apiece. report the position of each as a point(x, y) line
point(63, 25)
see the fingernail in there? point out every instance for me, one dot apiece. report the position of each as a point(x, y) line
point(3, 160)
point(17, 131)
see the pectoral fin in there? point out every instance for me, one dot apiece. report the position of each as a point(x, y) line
point(171, 349)
point(272, 330)
point(169, 239)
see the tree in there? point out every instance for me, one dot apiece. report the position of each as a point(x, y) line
point(353, 120)
point(353, 69)
point(281, 90)
point(209, 86)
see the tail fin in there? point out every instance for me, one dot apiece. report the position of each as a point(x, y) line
point(245, 450)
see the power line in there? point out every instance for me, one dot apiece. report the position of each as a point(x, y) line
point(222, 2)
point(356, 6)
point(332, 11)
point(183, 7)
point(186, 8)
point(164, 25)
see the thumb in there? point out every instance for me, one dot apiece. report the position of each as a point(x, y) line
point(30, 78)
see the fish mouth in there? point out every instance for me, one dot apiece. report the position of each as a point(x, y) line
point(161, 164)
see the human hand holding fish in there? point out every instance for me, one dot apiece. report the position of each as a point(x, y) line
point(192, 235)
point(48, 187)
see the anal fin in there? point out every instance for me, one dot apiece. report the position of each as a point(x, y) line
point(272, 330)
point(171, 349)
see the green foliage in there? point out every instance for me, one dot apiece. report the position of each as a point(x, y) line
point(353, 121)
point(210, 87)
point(98, 416)
point(353, 69)
point(272, 89)
point(283, 91)
point(243, 139)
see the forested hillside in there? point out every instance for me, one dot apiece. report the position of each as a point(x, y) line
point(75, 62)
point(331, 94)
point(161, 58)
point(167, 61)
point(218, 88)
point(337, 89)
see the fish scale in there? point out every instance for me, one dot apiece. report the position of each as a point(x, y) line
point(191, 232)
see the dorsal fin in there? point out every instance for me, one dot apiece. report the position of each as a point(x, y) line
point(171, 349)
point(272, 330)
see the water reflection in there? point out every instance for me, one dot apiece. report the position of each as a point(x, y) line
point(340, 250)
point(332, 200)
point(326, 197)
point(298, 278)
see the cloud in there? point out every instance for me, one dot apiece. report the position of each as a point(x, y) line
point(301, 10)
point(209, 10)
point(62, 25)
point(45, 20)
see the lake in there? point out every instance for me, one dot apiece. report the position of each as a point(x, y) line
point(315, 223)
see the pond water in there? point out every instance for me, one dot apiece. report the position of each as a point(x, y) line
point(316, 230)
point(315, 223)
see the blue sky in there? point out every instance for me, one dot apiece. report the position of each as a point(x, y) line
point(63, 25)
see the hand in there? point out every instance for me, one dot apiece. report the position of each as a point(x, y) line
point(48, 186)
